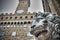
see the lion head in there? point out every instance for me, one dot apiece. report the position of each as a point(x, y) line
point(45, 26)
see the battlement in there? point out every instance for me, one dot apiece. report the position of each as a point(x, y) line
point(1, 14)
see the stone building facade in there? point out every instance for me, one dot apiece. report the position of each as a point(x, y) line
point(15, 26)
point(52, 6)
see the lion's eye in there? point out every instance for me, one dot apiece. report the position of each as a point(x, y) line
point(45, 21)
point(41, 18)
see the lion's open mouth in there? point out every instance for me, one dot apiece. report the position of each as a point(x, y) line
point(38, 32)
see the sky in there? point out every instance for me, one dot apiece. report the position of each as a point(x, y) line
point(9, 6)
point(36, 6)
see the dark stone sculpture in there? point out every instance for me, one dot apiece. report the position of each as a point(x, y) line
point(46, 26)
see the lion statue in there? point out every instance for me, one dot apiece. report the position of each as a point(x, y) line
point(46, 26)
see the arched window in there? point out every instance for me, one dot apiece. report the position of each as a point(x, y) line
point(31, 16)
point(6, 17)
point(29, 22)
point(5, 23)
point(18, 23)
point(1, 17)
point(21, 22)
point(8, 23)
point(11, 23)
point(10, 17)
point(21, 17)
point(15, 17)
point(14, 22)
point(26, 16)
point(25, 22)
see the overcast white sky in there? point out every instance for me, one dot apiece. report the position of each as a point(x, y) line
point(36, 5)
point(8, 6)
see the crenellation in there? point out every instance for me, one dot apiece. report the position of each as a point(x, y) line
point(5, 14)
point(1, 14)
